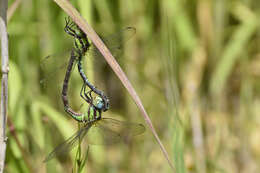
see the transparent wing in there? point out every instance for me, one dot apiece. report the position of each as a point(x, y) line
point(109, 131)
point(117, 39)
point(115, 42)
point(54, 66)
point(69, 144)
point(106, 131)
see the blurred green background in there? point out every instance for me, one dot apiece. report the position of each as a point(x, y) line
point(194, 64)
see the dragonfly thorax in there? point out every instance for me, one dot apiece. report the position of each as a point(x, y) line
point(81, 44)
point(92, 114)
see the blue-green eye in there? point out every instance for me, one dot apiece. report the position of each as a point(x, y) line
point(100, 105)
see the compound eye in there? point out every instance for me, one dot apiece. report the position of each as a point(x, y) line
point(100, 105)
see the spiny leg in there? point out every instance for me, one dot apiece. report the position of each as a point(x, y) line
point(88, 94)
point(77, 36)
point(85, 96)
point(68, 27)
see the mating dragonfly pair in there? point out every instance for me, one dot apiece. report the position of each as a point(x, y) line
point(95, 126)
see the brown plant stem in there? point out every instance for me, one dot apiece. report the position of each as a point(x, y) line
point(12, 9)
point(14, 135)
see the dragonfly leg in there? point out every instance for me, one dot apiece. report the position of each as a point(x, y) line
point(79, 36)
point(88, 94)
point(85, 96)
point(69, 22)
point(68, 28)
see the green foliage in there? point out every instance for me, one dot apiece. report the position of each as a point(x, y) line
point(194, 64)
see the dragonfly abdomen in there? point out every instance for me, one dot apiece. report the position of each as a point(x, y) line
point(91, 115)
point(84, 77)
point(92, 87)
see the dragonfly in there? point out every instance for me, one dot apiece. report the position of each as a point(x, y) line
point(95, 126)
point(82, 47)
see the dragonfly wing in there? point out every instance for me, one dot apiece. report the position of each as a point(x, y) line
point(54, 67)
point(109, 131)
point(100, 135)
point(120, 37)
point(123, 127)
point(115, 41)
point(69, 144)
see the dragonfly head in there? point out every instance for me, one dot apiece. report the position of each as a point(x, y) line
point(101, 104)
point(98, 103)
point(80, 38)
